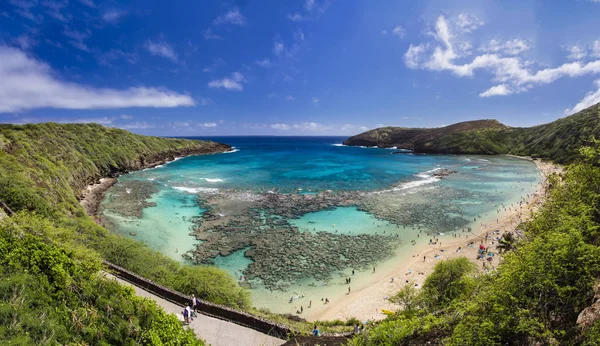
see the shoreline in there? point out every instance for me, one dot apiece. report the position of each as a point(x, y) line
point(93, 194)
point(367, 303)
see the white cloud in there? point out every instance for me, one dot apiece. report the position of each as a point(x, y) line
point(162, 49)
point(209, 35)
point(312, 10)
point(305, 126)
point(595, 51)
point(136, 125)
point(295, 17)
point(25, 42)
point(126, 116)
point(283, 127)
point(510, 47)
point(467, 22)
point(399, 31)
point(576, 52)
point(384, 32)
point(412, 58)
point(590, 99)
point(315, 100)
point(508, 70)
point(309, 5)
point(263, 62)
point(290, 98)
point(233, 16)
point(53, 9)
point(278, 48)
point(234, 83)
point(112, 16)
point(498, 90)
point(77, 38)
point(207, 124)
point(29, 84)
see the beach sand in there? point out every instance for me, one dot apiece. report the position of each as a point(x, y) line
point(368, 302)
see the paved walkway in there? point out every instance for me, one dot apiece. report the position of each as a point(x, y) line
point(214, 331)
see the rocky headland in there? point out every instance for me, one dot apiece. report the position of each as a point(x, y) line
point(558, 141)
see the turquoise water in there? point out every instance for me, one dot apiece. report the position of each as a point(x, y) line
point(398, 195)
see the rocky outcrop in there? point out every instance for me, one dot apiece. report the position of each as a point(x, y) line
point(591, 314)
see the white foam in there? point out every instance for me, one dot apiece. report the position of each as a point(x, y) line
point(151, 179)
point(233, 150)
point(339, 145)
point(128, 190)
point(158, 166)
point(196, 189)
point(212, 180)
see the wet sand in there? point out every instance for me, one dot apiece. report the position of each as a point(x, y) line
point(367, 303)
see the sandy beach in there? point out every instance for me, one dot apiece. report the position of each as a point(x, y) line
point(367, 303)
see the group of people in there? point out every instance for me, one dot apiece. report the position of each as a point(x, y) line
point(189, 313)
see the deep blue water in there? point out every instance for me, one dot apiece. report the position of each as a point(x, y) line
point(309, 163)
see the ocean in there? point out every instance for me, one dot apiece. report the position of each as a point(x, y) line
point(291, 217)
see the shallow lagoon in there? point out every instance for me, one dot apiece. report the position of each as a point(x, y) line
point(390, 185)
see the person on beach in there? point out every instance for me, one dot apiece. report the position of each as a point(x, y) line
point(348, 290)
point(326, 300)
point(316, 331)
point(357, 329)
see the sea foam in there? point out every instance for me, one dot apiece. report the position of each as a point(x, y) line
point(196, 189)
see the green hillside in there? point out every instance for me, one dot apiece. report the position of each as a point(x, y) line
point(558, 140)
point(51, 251)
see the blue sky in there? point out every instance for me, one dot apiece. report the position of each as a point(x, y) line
point(296, 67)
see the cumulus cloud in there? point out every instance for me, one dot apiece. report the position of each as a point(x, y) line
point(290, 98)
point(162, 49)
point(126, 116)
point(233, 16)
point(510, 71)
point(283, 127)
point(29, 84)
point(233, 83)
point(590, 99)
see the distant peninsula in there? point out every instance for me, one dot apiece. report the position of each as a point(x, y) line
point(558, 140)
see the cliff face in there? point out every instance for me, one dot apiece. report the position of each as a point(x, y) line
point(559, 140)
point(45, 166)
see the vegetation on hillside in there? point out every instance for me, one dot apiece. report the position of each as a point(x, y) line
point(54, 295)
point(43, 169)
point(558, 140)
point(535, 295)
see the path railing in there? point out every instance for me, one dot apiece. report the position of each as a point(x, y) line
point(206, 308)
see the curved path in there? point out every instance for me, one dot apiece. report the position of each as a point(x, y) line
point(213, 330)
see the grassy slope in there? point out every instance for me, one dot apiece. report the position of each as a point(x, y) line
point(43, 168)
